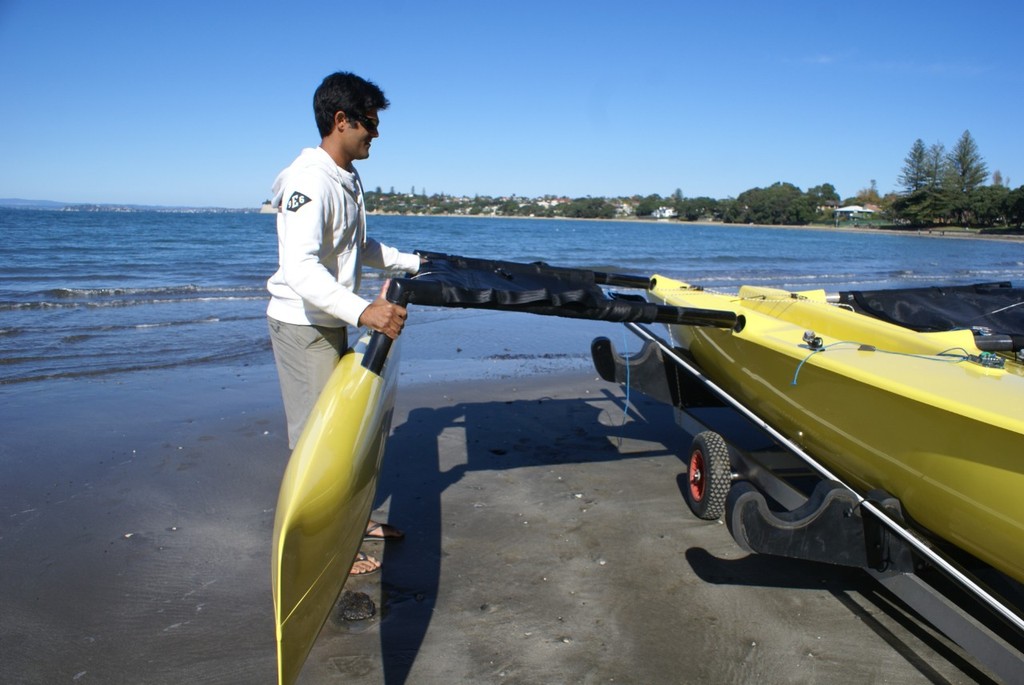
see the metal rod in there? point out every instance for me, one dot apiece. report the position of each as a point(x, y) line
point(909, 537)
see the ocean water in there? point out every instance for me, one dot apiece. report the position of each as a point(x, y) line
point(100, 293)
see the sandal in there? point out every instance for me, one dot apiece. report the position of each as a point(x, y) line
point(364, 558)
point(376, 532)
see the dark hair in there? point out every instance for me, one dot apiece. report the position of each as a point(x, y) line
point(348, 93)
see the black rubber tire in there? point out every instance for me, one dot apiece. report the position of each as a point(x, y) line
point(709, 476)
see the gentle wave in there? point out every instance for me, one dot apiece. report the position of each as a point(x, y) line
point(88, 304)
point(155, 291)
point(92, 331)
point(114, 367)
point(190, 289)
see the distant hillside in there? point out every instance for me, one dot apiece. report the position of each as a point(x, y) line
point(17, 203)
point(31, 204)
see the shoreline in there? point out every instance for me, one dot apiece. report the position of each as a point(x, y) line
point(958, 233)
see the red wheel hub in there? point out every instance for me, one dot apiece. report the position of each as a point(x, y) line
point(696, 475)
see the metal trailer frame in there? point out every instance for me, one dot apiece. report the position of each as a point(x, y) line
point(770, 508)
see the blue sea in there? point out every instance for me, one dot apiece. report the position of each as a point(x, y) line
point(101, 293)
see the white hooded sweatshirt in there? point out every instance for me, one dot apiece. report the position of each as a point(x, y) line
point(322, 243)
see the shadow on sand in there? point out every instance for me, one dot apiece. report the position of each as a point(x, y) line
point(420, 466)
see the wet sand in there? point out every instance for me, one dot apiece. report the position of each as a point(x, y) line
point(547, 540)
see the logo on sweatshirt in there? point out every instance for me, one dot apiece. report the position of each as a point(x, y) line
point(295, 201)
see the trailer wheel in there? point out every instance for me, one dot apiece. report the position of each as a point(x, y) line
point(708, 477)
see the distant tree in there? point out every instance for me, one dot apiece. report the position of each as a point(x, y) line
point(730, 210)
point(915, 174)
point(779, 204)
point(925, 180)
point(824, 195)
point(869, 195)
point(987, 205)
point(997, 178)
point(649, 204)
point(825, 200)
point(926, 207)
point(965, 173)
point(886, 204)
point(1014, 207)
point(966, 166)
point(589, 208)
point(697, 208)
point(936, 165)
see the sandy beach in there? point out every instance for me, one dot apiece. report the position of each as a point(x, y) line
point(547, 540)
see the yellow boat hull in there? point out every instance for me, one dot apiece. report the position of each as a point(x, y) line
point(325, 501)
point(879, 405)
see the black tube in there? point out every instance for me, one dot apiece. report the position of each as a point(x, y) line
point(692, 316)
point(623, 280)
point(380, 344)
point(998, 342)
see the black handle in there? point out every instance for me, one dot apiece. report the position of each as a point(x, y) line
point(380, 344)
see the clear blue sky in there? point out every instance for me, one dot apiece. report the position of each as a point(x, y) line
point(202, 103)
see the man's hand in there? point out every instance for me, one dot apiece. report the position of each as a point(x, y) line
point(384, 316)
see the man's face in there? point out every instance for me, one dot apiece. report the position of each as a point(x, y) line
point(358, 134)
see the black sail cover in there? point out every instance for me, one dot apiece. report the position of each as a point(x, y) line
point(989, 309)
point(537, 288)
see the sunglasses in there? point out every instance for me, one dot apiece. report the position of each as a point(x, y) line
point(369, 124)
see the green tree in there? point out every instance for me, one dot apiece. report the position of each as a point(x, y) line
point(966, 172)
point(869, 195)
point(731, 210)
point(988, 205)
point(926, 180)
point(824, 199)
point(926, 207)
point(916, 173)
point(824, 195)
point(966, 166)
point(697, 208)
point(1014, 207)
point(589, 208)
point(647, 206)
point(936, 165)
point(781, 203)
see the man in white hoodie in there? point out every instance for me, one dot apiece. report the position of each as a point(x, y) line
point(322, 245)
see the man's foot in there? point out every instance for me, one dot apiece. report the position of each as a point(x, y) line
point(376, 532)
point(364, 565)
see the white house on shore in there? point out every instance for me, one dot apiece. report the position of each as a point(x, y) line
point(852, 212)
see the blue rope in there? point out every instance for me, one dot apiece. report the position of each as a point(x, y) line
point(945, 356)
point(625, 355)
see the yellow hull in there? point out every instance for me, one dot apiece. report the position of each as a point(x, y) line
point(325, 500)
point(880, 406)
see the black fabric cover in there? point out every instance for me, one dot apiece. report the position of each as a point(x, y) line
point(453, 281)
point(986, 308)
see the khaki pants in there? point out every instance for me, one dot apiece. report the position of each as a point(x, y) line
point(306, 357)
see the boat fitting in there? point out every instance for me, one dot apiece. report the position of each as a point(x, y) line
point(813, 341)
